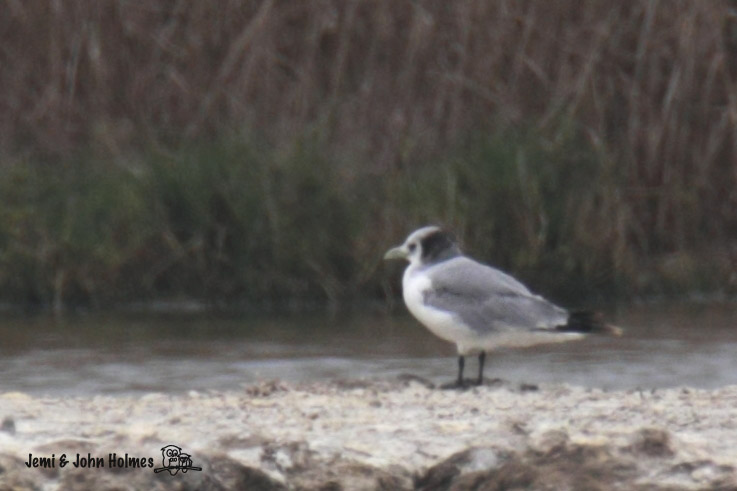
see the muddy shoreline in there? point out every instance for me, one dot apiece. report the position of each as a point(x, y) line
point(380, 434)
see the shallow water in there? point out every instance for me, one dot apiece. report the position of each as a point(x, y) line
point(664, 346)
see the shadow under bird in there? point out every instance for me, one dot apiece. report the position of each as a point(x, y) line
point(477, 307)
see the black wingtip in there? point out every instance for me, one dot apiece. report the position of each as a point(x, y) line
point(590, 322)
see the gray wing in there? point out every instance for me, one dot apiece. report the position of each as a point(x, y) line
point(487, 299)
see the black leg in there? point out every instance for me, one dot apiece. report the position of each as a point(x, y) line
point(482, 358)
point(461, 363)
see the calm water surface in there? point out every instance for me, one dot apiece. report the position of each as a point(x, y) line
point(664, 346)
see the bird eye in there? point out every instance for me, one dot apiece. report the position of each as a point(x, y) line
point(412, 247)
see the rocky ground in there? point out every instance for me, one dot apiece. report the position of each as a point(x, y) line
point(399, 434)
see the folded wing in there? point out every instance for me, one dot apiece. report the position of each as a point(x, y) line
point(487, 299)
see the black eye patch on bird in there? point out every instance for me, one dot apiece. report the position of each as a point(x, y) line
point(437, 246)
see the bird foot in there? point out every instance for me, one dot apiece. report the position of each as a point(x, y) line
point(461, 384)
point(455, 385)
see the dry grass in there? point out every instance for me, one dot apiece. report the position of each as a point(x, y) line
point(648, 86)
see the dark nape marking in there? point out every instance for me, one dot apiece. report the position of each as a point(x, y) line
point(438, 246)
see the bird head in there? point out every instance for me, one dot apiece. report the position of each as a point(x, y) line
point(426, 245)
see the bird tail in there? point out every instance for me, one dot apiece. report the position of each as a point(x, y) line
point(589, 322)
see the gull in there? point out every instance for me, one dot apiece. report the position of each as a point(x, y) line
point(477, 307)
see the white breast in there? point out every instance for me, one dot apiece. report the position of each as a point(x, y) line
point(443, 324)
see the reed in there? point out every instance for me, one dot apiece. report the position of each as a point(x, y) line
point(261, 149)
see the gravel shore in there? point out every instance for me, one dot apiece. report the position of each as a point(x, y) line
point(377, 434)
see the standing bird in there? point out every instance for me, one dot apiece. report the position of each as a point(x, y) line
point(476, 306)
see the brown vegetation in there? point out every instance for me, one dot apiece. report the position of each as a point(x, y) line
point(645, 89)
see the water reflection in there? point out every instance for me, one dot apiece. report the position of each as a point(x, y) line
point(664, 346)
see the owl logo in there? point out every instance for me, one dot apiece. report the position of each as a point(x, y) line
point(174, 460)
